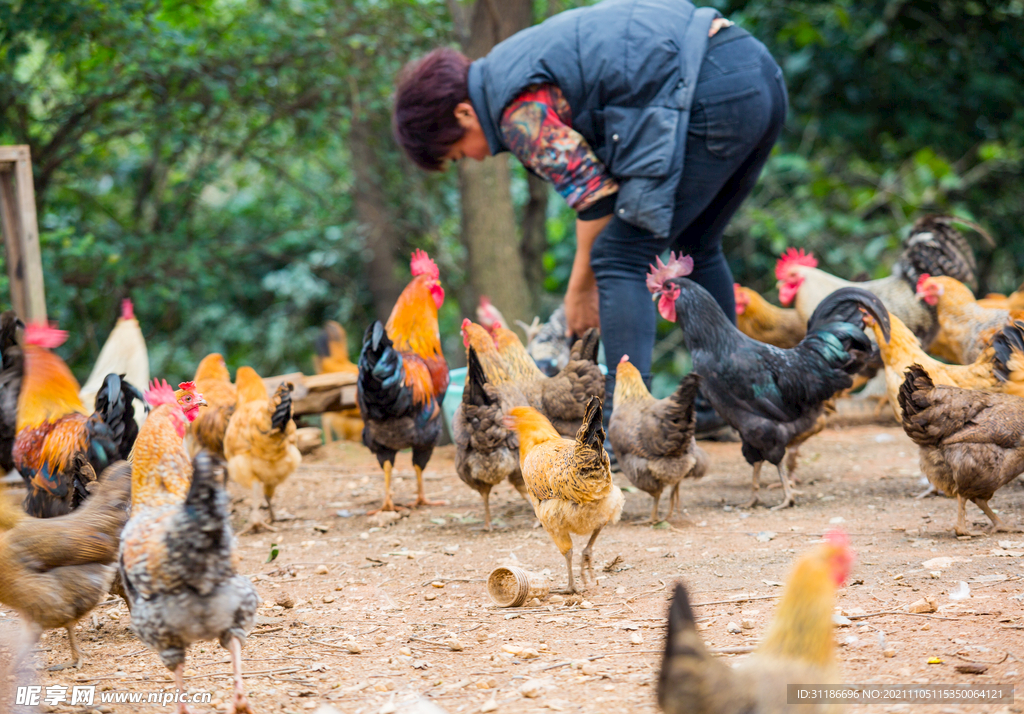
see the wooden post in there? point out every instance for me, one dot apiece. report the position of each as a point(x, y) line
point(21, 233)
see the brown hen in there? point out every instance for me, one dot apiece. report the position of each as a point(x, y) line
point(214, 382)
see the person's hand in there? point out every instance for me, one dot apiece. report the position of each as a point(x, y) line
point(581, 309)
point(717, 24)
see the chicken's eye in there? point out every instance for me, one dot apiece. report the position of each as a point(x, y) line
point(188, 399)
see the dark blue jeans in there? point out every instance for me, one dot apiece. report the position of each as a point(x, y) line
point(738, 111)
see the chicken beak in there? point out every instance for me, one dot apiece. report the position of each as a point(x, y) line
point(201, 403)
point(655, 296)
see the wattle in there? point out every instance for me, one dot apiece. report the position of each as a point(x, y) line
point(667, 307)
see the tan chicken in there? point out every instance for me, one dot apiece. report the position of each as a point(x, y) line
point(569, 482)
point(214, 382)
point(1013, 301)
point(654, 438)
point(260, 443)
point(965, 327)
point(332, 357)
point(55, 570)
point(1000, 368)
point(125, 354)
point(759, 319)
point(798, 648)
point(563, 398)
point(972, 443)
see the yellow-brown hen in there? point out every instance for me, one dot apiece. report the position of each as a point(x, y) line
point(260, 443)
point(760, 320)
point(332, 357)
point(214, 382)
point(569, 481)
point(965, 327)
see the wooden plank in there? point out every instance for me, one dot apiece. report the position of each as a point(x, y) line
point(16, 152)
point(35, 294)
point(11, 231)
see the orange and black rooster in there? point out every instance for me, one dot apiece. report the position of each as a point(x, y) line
point(403, 377)
point(60, 447)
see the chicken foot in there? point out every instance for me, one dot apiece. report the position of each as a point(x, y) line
point(256, 522)
point(486, 494)
point(787, 489)
point(585, 561)
point(421, 496)
point(240, 702)
point(997, 523)
point(961, 518)
point(179, 682)
point(388, 504)
point(756, 498)
point(571, 589)
point(76, 652)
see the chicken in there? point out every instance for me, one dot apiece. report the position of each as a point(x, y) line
point(764, 322)
point(562, 398)
point(213, 381)
point(58, 569)
point(332, 357)
point(654, 438)
point(972, 443)
point(774, 398)
point(486, 450)
point(798, 647)
point(260, 443)
point(123, 353)
point(1000, 368)
point(933, 247)
point(60, 446)
point(569, 482)
point(489, 316)
point(176, 557)
point(547, 343)
point(1013, 301)
point(12, 365)
point(403, 377)
point(965, 327)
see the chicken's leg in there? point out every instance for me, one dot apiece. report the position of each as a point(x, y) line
point(756, 499)
point(256, 522)
point(568, 566)
point(29, 639)
point(787, 499)
point(585, 561)
point(656, 498)
point(239, 703)
point(961, 517)
point(179, 682)
point(486, 493)
point(421, 496)
point(76, 652)
point(997, 523)
point(673, 502)
point(388, 504)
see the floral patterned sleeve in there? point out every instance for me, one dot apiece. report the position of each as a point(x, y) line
point(537, 127)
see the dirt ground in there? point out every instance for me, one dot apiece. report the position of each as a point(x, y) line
point(364, 618)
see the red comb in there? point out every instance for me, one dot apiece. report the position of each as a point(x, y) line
point(47, 336)
point(837, 537)
point(920, 282)
point(466, 322)
point(127, 309)
point(160, 392)
point(625, 358)
point(485, 301)
point(792, 256)
point(676, 267)
point(187, 386)
point(421, 264)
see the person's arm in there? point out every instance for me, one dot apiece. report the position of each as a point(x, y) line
point(581, 305)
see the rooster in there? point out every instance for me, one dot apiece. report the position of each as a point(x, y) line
point(60, 447)
point(972, 443)
point(123, 353)
point(798, 647)
point(653, 438)
point(176, 559)
point(58, 569)
point(563, 398)
point(12, 365)
point(214, 382)
point(1000, 368)
point(260, 443)
point(569, 481)
point(774, 398)
point(965, 327)
point(403, 377)
point(933, 247)
point(759, 319)
point(332, 357)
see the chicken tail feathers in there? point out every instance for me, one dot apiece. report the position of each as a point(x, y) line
point(1008, 348)
point(206, 503)
point(115, 407)
point(282, 401)
point(381, 386)
point(475, 393)
point(591, 434)
point(914, 399)
point(587, 346)
point(848, 305)
point(935, 247)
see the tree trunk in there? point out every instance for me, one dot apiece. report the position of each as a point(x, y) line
point(488, 218)
point(535, 232)
point(379, 234)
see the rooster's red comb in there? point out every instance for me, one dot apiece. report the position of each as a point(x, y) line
point(187, 386)
point(838, 538)
point(48, 336)
point(127, 309)
point(160, 392)
point(676, 267)
point(421, 264)
point(920, 282)
point(792, 257)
